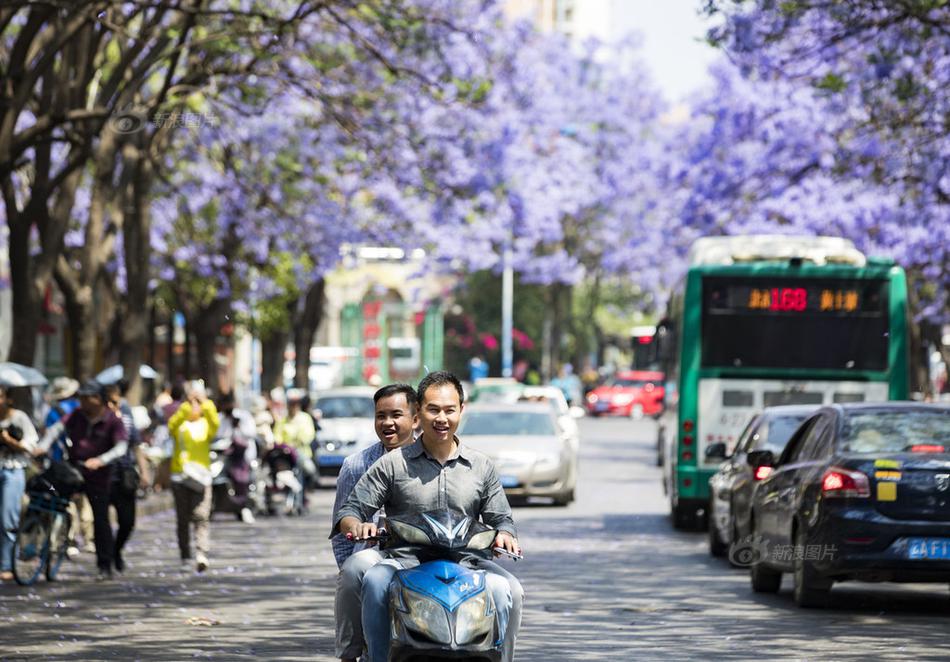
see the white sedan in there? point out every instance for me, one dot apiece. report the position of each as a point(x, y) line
point(533, 455)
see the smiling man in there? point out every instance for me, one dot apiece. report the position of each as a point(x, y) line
point(435, 472)
point(395, 421)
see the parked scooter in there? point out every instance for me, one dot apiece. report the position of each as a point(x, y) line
point(233, 485)
point(442, 609)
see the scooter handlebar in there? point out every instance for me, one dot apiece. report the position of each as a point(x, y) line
point(504, 552)
point(381, 534)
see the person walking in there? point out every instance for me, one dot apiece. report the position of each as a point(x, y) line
point(17, 439)
point(130, 473)
point(98, 439)
point(193, 427)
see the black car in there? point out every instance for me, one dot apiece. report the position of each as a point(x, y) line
point(730, 488)
point(861, 492)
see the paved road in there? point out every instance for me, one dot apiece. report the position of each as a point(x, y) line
point(606, 579)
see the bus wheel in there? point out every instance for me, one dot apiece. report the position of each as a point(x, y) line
point(685, 518)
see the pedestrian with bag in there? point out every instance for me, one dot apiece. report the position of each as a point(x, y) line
point(130, 472)
point(17, 439)
point(193, 427)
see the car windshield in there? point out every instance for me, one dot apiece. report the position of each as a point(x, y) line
point(896, 431)
point(636, 383)
point(507, 423)
point(346, 407)
point(775, 435)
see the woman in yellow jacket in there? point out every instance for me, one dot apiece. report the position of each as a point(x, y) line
point(193, 428)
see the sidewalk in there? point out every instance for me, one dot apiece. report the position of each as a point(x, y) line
point(153, 503)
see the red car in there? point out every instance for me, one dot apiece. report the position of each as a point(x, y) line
point(633, 393)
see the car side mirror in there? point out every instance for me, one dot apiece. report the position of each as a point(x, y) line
point(716, 451)
point(758, 459)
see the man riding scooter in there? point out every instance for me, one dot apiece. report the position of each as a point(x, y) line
point(436, 472)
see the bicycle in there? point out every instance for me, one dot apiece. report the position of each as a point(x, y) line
point(43, 535)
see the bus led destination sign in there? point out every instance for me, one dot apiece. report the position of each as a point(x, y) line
point(749, 296)
point(796, 299)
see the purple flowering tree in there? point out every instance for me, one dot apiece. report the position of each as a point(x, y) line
point(879, 72)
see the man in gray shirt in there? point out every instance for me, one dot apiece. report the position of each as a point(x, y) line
point(435, 472)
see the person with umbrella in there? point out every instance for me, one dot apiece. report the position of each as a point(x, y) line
point(17, 439)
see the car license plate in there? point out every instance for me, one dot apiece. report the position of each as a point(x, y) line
point(602, 406)
point(509, 481)
point(928, 548)
point(330, 460)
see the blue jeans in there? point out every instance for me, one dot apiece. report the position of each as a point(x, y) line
point(505, 587)
point(12, 486)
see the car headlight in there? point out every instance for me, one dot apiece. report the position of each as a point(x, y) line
point(624, 398)
point(592, 397)
point(474, 618)
point(547, 462)
point(426, 617)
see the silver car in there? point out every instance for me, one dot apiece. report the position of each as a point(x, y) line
point(346, 426)
point(533, 455)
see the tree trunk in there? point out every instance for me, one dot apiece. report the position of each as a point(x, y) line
point(82, 327)
point(27, 296)
point(208, 323)
point(309, 315)
point(272, 360)
point(135, 237)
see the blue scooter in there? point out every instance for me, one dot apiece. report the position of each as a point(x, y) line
point(442, 609)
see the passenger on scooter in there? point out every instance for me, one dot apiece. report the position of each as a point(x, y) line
point(395, 420)
point(437, 471)
point(298, 431)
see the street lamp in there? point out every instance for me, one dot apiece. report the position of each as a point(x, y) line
point(507, 301)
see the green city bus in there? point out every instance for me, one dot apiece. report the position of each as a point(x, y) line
point(761, 321)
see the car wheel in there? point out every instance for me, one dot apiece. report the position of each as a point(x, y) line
point(764, 579)
point(736, 539)
point(811, 589)
point(564, 499)
point(717, 548)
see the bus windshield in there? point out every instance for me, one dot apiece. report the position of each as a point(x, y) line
point(837, 324)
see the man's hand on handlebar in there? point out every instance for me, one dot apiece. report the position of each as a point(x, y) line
point(506, 544)
point(363, 532)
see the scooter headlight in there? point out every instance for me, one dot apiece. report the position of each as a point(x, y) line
point(482, 540)
point(410, 534)
point(427, 617)
point(474, 618)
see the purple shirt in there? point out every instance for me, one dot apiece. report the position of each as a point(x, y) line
point(92, 439)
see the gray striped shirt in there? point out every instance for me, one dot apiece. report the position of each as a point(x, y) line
point(409, 481)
